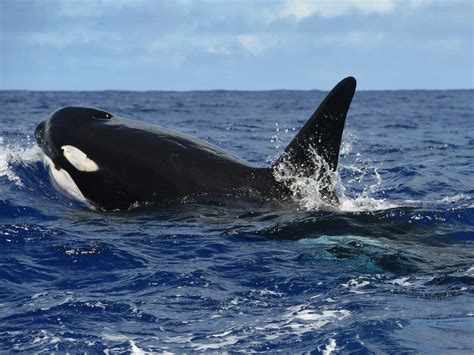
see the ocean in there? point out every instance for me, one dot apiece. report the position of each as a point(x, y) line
point(390, 270)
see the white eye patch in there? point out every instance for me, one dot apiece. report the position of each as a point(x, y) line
point(79, 159)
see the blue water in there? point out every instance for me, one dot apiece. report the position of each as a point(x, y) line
point(390, 270)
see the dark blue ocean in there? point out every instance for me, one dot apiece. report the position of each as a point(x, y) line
point(388, 271)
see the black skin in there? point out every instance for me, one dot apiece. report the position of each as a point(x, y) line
point(140, 162)
point(143, 162)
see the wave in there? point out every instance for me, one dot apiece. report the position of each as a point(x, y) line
point(11, 155)
point(25, 185)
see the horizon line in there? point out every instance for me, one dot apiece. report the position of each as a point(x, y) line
point(234, 90)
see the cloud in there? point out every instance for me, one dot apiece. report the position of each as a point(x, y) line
point(181, 41)
point(71, 37)
point(218, 49)
point(354, 39)
point(94, 8)
point(302, 9)
point(256, 44)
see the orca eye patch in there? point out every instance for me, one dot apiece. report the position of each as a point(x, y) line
point(79, 159)
point(102, 115)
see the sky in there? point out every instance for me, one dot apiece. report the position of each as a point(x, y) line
point(235, 45)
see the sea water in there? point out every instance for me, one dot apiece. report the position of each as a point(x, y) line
point(390, 269)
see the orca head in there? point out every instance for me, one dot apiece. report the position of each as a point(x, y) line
point(67, 137)
point(60, 135)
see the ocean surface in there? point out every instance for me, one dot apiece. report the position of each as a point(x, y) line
point(389, 270)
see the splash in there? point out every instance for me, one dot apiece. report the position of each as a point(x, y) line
point(364, 173)
point(5, 169)
point(314, 192)
point(11, 155)
point(364, 201)
point(311, 192)
point(282, 135)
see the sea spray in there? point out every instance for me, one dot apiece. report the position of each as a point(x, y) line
point(316, 191)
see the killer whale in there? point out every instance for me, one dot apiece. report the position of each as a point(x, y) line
point(114, 162)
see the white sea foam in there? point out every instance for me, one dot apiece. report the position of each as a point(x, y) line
point(134, 349)
point(363, 201)
point(5, 168)
point(114, 337)
point(45, 337)
point(330, 348)
point(302, 320)
point(462, 198)
point(401, 281)
point(309, 191)
point(337, 239)
point(11, 154)
point(297, 320)
point(355, 285)
point(455, 198)
point(229, 340)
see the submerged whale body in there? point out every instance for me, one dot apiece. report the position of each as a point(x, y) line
point(114, 162)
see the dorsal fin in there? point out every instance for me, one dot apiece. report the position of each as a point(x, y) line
point(323, 131)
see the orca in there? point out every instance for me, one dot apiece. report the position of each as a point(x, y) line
point(115, 163)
